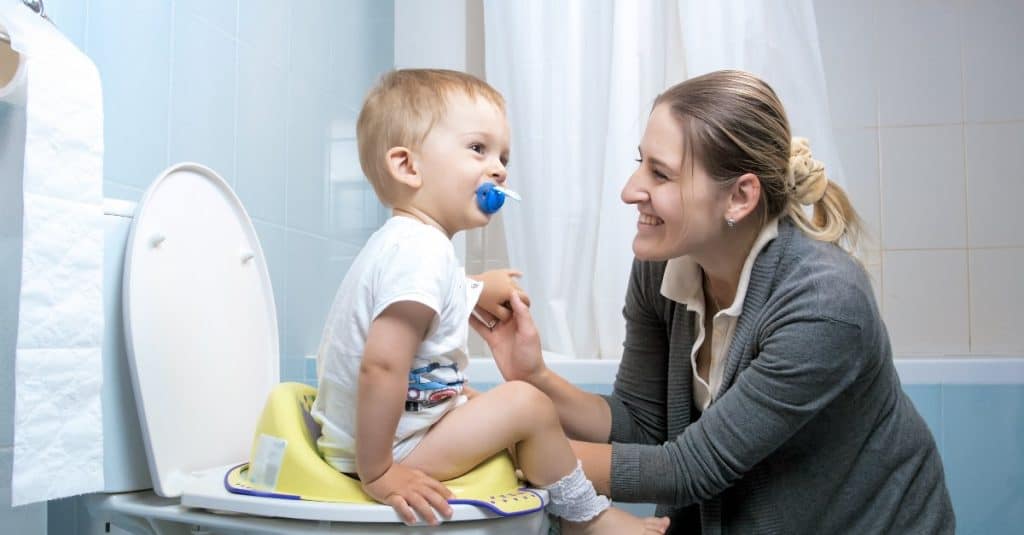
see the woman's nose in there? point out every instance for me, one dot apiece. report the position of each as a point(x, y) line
point(632, 192)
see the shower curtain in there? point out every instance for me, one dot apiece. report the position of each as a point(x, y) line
point(579, 77)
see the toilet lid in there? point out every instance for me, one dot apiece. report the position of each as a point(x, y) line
point(200, 325)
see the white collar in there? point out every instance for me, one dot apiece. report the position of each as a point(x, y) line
point(683, 281)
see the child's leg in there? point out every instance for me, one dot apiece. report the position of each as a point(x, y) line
point(518, 414)
point(513, 413)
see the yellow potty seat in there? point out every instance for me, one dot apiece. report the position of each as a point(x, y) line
point(284, 463)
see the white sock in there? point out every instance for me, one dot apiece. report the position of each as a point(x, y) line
point(573, 497)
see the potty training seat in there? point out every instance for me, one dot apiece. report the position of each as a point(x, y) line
point(284, 463)
point(201, 336)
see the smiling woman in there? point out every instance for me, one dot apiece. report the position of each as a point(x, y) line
point(756, 390)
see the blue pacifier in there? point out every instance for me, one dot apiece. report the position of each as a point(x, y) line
point(490, 197)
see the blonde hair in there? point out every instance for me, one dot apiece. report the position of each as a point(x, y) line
point(733, 123)
point(401, 109)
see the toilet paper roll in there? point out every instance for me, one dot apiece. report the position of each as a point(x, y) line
point(58, 439)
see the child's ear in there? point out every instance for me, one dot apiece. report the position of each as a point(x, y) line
point(402, 166)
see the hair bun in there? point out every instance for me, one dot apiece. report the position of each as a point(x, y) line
point(806, 176)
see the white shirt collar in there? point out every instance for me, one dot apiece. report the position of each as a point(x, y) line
point(684, 283)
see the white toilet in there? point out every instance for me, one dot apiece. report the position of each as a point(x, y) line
point(186, 379)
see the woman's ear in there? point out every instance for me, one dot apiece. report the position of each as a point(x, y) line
point(402, 167)
point(744, 196)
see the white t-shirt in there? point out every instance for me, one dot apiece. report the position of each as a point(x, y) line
point(405, 260)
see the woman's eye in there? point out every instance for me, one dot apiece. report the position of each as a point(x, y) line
point(660, 175)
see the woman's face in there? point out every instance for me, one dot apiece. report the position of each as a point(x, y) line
point(681, 207)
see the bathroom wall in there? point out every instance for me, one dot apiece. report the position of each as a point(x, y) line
point(925, 100)
point(265, 93)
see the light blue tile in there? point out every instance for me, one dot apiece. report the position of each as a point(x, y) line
point(293, 369)
point(29, 518)
point(928, 401)
point(69, 16)
point(309, 50)
point(263, 25)
point(261, 159)
point(274, 241)
point(596, 388)
point(308, 138)
point(221, 14)
point(203, 97)
point(114, 190)
point(310, 370)
point(983, 445)
point(130, 44)
point(308, 298)
point(360, 52)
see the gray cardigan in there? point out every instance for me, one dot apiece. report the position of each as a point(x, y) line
point(811, 432)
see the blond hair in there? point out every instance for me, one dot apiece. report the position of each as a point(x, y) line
point(733, 123)
point(401, 109)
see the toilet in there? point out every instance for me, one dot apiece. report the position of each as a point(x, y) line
point(191, 390)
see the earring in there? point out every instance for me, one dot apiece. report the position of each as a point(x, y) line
point(730, 222)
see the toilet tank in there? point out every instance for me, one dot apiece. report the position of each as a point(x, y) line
point(124, 454)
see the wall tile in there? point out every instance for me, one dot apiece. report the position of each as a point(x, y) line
point(274, 241)
point(995, 184)
point(993, 72)
point(922, 175)
point(858, 149)
point(918, 60)
point(130, 43)
point(264, 26)
point(997, 301)
point(984, 438)
point(928, 402)
point(845, 32)
point(262, 99)
point(309, 49)
point(29, 518)
point(69, 16)
point(221, 14)
point(308, 141)
point(308, 296)
point(925, 301)
point(357, 58)
point(203, 97)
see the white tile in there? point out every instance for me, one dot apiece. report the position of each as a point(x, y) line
point(858, 149)
point(847, 52)
point(993, 70)
point(995, 184)
point(918, 58)
point(997, 301)
point(875, 275)
point(922, 175)
point(925, 301)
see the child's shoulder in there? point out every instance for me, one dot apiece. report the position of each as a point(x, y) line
point(402, 240)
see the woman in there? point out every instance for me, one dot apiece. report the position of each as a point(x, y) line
point(756, 392)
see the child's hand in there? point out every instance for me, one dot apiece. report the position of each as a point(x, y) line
point(499, 284)
point(411, 492)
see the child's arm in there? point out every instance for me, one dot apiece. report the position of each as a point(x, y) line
point(498, 287)
point(391, 345)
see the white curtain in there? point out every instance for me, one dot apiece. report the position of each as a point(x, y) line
point(579, 77)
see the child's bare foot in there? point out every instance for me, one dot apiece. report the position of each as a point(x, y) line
point(617, 522)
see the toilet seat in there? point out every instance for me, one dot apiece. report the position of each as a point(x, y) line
point(202, 367)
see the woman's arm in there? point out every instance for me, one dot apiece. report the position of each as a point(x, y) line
point(800, 369)
point(515, 345)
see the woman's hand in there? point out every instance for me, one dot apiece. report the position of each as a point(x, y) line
point(411, 492)
point(499, 287)
point(515, 344)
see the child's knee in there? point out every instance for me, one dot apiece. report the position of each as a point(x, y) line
point(529, 402)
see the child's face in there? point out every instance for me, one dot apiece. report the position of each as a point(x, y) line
point(466, 148)
point(679, 204)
